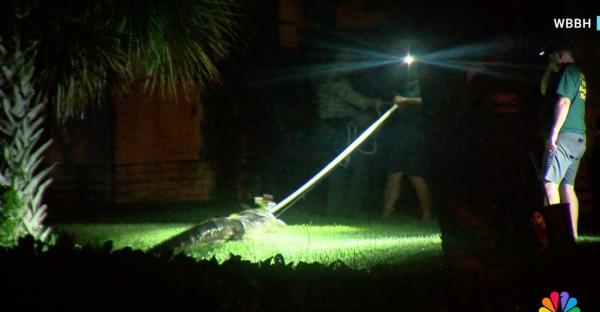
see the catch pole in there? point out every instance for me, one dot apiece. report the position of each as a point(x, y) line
point(360, 139)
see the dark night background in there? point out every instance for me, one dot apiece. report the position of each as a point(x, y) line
point(264, 114)
point(256, 131)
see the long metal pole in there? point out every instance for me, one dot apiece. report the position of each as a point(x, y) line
point(335, 161)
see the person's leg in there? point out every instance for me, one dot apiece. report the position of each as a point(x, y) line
point(567, 195)
point(575, 145)
point(391, 193)
point(552, 193)
point(555, 163)
point(424, 196)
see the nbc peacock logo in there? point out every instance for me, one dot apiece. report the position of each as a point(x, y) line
point(559, 303)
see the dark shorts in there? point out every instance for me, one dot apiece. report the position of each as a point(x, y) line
point(561, 164)
point(407, 155)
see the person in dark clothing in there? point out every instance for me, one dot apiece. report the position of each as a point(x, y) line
point(407, 154)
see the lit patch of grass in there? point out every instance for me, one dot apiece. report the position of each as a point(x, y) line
point(137, 236)
point(360, 249)
point(359, 246)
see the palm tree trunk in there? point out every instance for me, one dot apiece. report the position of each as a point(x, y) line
point(23, 181)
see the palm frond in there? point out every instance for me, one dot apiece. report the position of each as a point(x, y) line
point(85, 46)
point(21, 121)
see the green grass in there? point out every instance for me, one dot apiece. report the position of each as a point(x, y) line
point(359, 246)
point(305, 239)
point(588, 239)
point(134, 235)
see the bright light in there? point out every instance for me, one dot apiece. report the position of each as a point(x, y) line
point(408, 59)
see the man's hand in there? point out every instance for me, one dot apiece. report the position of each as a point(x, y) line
point(553, 67)
point(401, 101)
point(551, 144)
point(554, 62)
point(398, 99)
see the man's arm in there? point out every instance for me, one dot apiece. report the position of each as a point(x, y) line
point(350, 96)
point(566, 90)
point(560, 114)
point(550, 71)
point(400, 100)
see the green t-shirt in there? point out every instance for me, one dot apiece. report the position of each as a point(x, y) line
point(571, 84)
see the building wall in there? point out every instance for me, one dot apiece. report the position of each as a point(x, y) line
point(290, 27)
point(82, 155)
point(353, 14)
point(158, 145)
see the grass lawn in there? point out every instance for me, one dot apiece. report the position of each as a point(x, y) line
point(410, 252)
point(306, 238)
point(359, 243)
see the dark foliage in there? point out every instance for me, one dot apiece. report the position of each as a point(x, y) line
point(82, 277)
point(83, 48)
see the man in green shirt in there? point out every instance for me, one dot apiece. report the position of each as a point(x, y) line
point(563, 120)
